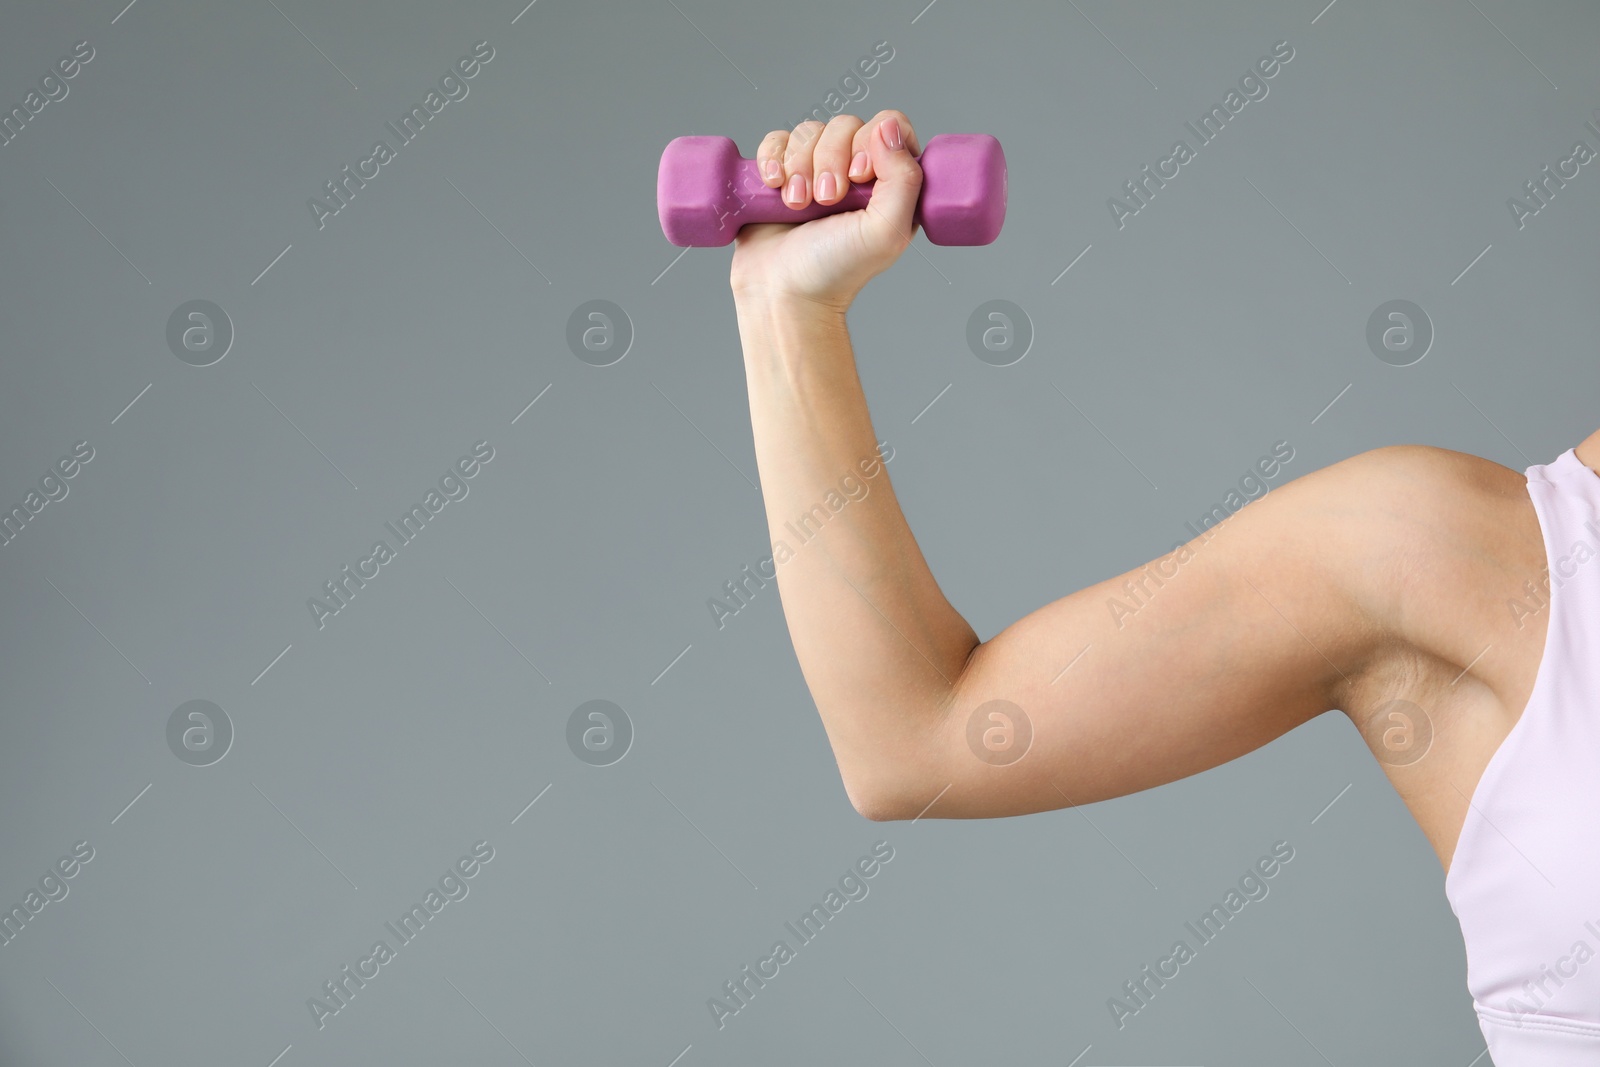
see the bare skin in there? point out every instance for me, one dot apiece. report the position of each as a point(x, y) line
point(1382, 577)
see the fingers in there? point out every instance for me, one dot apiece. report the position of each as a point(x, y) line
point(890, 146)
point(870, 132)
point(831, 159)
point(817, 162)
point(769, 157)
point(797, 169)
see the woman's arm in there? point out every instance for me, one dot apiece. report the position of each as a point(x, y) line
point(880, 646)
point(1177, 666)
point(1248, 631)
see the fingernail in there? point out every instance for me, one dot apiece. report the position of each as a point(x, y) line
point(891, 134)
point(773, 170)
point(825, 186)
point(858, 165)
point(797, 189)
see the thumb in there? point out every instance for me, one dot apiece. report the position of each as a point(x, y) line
point(897, 187)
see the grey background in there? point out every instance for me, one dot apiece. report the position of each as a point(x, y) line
point(429, 713)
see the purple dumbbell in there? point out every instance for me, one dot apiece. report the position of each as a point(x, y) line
point(705, 191)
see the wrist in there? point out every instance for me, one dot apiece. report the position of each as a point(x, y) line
point(787, 339)
point(765, 305)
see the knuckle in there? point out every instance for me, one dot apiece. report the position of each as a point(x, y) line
point(798, 150)
point(841, 132)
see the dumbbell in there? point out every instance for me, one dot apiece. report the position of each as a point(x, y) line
point(705, 191)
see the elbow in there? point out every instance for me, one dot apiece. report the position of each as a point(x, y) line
point(898, 773)
point(877, 806)
point(892, 793)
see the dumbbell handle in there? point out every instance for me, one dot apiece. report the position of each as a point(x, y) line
point(705, 192)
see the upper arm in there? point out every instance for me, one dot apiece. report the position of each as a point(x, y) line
point(1200, 656)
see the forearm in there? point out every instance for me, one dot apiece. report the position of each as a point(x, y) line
point(880, 646)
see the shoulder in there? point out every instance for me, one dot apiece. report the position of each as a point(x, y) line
point(1422, 544)
point(1400, 542)
point(1402, 496)
point(1437, 474)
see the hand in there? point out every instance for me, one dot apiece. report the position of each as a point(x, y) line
point(829, 260)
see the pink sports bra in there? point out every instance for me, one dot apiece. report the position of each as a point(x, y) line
point(1525, 878)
